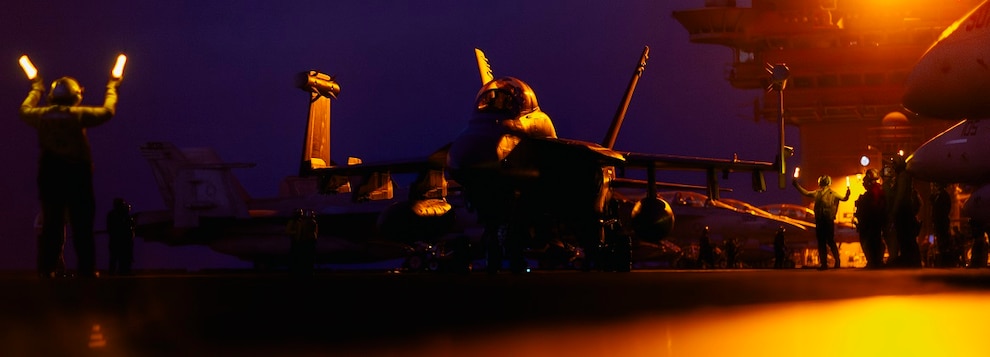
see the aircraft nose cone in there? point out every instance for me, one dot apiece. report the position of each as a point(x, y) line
point(935, 161)
point(950, 81)
point(928, 90)
point(916, 101)
point(919, 164)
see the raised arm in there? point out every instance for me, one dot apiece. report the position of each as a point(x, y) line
point(30, 113)
point(92, 116)
point(802, 190)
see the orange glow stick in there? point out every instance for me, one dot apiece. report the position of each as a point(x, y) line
point(118, 68)
point(28, 67)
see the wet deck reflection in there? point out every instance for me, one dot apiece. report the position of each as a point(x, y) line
point(927, 325)
point(644, 313)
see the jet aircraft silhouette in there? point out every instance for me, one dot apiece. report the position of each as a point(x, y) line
point(950, 82)
point(525, 183)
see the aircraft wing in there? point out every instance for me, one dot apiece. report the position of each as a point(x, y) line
point(676, 162)
point(588, 150)
point(710, 165)
point(393, 166)
point(374, 180)
point(621, 182)
point(571, 149)
point(435, 161)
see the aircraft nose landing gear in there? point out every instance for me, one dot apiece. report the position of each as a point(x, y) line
point(617, 249)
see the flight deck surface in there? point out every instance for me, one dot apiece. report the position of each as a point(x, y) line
point(378, 313)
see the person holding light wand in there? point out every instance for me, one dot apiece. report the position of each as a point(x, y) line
point(826, 206)
point(65, 166)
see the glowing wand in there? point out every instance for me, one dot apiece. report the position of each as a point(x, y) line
point(118, 68)
point(28, 67)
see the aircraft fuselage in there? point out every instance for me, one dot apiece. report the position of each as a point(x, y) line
point(507, 168)
point(957, 155)
point(952, 79)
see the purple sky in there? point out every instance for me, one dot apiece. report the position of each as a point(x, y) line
point(220, 74)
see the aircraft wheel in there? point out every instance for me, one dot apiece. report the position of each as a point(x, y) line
point(433, 264)
point(621, 253)
point(265, 265)
point(578, 264)
point(414, 263)
point(493, 256)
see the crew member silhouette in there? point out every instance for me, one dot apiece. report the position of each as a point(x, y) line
point(60, 263)
point(978, 254)
point(311, 231)
point(731, 252)
point(871, 216)
point(65, 167)
point(903, 206)
point(941, 208)
point(889, 236)
point(120, 229)
point(826, 206)
point(706, 252)
point(302, 230)
point(779, 249)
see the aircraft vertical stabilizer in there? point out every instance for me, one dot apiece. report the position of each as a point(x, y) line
point(316, 147)
point(620, 114)
point(165, 160)
point(195, 183)
point(484, 67)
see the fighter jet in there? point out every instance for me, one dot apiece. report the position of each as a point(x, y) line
point(951, 79)
point(751, 228)
point(845, 228)
point(959, 155)
point(950, 82)
point(524, 181)
point(206, 205)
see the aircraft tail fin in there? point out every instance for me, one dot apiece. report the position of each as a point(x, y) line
point(316, 147)
point(165, 160)
point(620, 114)
point(484, 67)
point(194, 182)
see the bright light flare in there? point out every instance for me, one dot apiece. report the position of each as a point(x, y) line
point(118, 68)
point(797, 172)
point(915, 325)
point(28, 67)
point(847, 181)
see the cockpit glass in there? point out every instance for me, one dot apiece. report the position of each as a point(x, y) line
point(497, 100)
